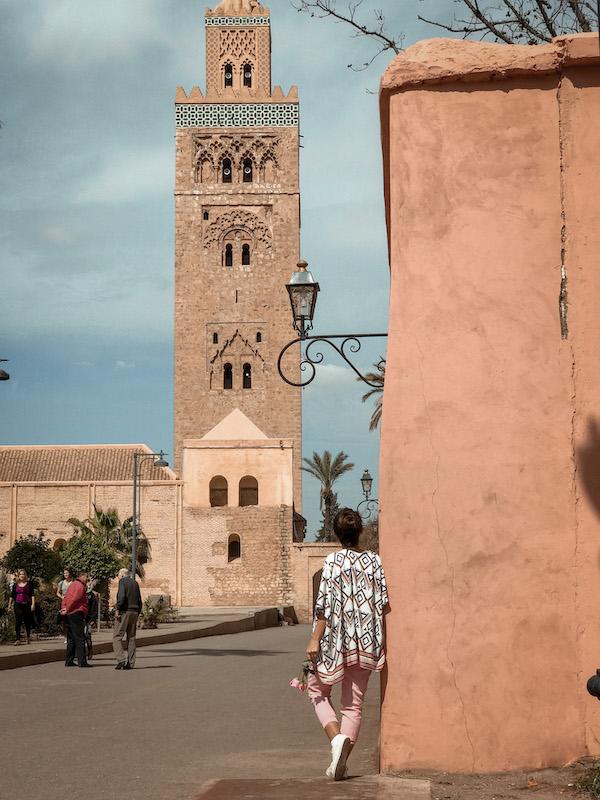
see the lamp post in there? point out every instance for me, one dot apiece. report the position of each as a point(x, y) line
point(368, 505)
point(138, 459)
point(4, 376)
point(303, 290)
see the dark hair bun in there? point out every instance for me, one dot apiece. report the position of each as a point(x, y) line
point(348, 526)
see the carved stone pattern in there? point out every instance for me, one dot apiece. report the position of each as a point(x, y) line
point(215, 148)
point(236, 115)
point(264, 60)
point(237, 219)
point(237, 21)
point(228, 344)
point(238, 44)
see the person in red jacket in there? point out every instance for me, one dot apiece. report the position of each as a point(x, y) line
point(74, 607)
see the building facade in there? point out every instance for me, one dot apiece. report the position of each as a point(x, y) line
point(224, 524)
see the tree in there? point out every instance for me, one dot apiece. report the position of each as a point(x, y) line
point(116, 535)
point(86, 551)
point(521, 21)
point(509, 21)
point(327, 470)
point(369, 538)
point(376, 377)
point(33, 554)
point(325, 534)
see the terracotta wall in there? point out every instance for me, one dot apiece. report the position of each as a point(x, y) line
point(490, 463)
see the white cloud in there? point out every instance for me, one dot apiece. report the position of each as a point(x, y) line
point(131, 176)
point(124, 364)
point(56, 234)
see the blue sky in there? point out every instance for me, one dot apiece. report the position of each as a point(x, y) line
point(86, 224)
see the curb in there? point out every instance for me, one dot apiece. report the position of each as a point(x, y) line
point(265, 618)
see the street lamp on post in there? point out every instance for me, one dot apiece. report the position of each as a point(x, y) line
point(4, 376)
point(368, 505)
point(303, 290)
point(138, 459)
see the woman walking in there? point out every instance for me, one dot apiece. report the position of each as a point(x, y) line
point(347, 642)
point(23, 597)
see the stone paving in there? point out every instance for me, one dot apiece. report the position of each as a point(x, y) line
point(368, 788)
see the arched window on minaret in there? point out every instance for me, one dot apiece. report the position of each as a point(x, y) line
point(228, 255)
point(245, 255)
point(247, 376)
point(268, 168)
point(247, 73)
point(247, 170)
point(227, 376)
point(226, 171)
point(228, 76)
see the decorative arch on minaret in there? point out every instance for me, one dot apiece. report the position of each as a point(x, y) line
point(238, 353)
point(238, 219)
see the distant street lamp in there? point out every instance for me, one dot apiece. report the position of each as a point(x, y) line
point(138, 459)
point(303, 290)
point(4, 376)
point(369, 505)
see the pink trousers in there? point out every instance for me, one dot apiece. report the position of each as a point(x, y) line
point(354, 687)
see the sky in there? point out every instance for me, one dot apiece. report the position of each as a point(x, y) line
point(86, 215)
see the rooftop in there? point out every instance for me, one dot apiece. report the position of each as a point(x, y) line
point(69, 463)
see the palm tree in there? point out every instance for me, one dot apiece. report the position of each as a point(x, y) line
point(116, 534)
point(327, 470)
point(377, 377)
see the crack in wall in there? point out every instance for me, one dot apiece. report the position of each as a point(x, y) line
point(449, 566)
point(563, 298)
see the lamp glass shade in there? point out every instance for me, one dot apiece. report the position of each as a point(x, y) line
point(303, 290)
point(160, 461)
point(367, 482)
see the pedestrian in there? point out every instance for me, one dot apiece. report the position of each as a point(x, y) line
point(61, 590)
point(347, 643)
point(23, 601)
point(74, 608)
point(129, 605)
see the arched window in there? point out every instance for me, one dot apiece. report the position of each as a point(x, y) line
point(247, 170)
point(258, 336)
point(234, 547)
point(227, 376)
point(215, 338)
point(247, 376)
point(245, 255)
point(217, 489)
point(59, 544)
point(248, 491)
point(205, 215)
point(228, 255)
point(247, 70)
point(226, 171)
point(228, 76)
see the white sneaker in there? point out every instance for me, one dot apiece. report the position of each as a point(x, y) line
point(340, 749)
point(329, 772)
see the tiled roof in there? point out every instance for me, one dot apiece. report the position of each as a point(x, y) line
point(110, 462)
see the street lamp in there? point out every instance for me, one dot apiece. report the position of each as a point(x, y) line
point(368, 505)
point(4, 376)
point(303, 290)
point(138, 459)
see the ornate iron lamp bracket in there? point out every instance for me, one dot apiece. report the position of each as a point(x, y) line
point(313, 356)
point(368, 508)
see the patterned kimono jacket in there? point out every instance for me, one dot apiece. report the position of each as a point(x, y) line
point(352, 596)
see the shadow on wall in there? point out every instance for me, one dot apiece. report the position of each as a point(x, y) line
point(588, 466)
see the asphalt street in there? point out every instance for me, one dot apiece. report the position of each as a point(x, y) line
point(219, 707)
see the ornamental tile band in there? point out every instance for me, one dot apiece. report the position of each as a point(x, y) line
point(237, 21)
point(238, 115)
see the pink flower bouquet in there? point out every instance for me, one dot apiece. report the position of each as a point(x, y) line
point(300, 682)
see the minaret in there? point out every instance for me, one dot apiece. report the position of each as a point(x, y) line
point(237, 226)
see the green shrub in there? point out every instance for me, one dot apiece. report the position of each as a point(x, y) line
point(156, 611)
point(7, 618)
point(589, 783)
point(33, 553)
point(47, 607)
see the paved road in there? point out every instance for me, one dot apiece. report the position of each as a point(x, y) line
point(209, 708)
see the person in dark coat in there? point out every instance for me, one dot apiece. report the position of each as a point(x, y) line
point(129, 605)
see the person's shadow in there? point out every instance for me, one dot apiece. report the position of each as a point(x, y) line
point(587, 458)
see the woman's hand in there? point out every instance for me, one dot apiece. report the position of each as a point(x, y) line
point(312, 649)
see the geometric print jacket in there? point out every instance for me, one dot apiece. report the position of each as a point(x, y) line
point(352, 597)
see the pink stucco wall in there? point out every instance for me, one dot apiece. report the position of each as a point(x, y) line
point(490, 464)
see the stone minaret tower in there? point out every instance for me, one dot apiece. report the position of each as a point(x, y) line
point(237, 226)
